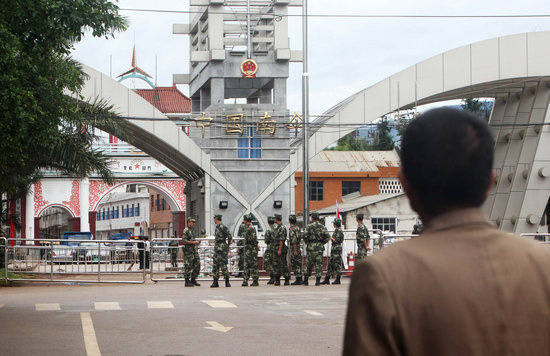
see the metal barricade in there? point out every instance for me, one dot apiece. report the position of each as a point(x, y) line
point(541, 237)
point(76, 261)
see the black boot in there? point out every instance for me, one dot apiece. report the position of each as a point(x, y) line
point(255, 283)
point(277, 281)
point(271, 279)
point(317, 281)
point(187, 283)
point(337, 280)
point(215, 283)
point(297, 282)
point(305, 281)
point(287, 281)
point(245, 284)
point(326, 281)
point(195, 282)
point(227, 282)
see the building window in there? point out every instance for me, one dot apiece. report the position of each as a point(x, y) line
point(137, 210)
point(116, 213)
point(390, 186)
point(163, 204)
point(131, 210)
point(158, 202)
point(112, 212)
point(316, 190)
point(384, 224)
point(350, 186)
point(98, 218)
point(152, 203)
point(250, 146)
point(123, 212)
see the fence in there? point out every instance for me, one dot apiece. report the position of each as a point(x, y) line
point(83, 261)
point(543, 238)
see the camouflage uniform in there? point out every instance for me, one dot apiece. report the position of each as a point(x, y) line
point(280, 264)
point(315, 236)
point(174, 252)
point(191, 258)
point(268, 254)
point(223, 237)
point(335, 263)
point(295, 237)
point(250, 256)
point(361, 235)
point(240, 250)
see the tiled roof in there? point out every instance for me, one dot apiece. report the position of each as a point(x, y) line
point(359, 201)
point(353, 161)
point(166, 99)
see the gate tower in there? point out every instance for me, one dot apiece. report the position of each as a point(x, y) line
point(239, 65)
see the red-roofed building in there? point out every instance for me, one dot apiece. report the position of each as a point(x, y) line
point(169, 100)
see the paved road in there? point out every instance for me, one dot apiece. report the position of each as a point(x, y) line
point(168, 319)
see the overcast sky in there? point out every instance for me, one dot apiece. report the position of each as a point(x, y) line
point(345, 54)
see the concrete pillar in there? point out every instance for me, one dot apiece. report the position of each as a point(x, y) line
point(217, 91)
point(84, 205)
point(279, 92)
point(29, 216)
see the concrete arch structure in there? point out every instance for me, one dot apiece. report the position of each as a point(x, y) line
point(516, 72)
point(56, 205)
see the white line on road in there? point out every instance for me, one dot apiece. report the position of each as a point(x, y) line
point(90, 341)
point(160, 305)
point(214, 325)
point(219, 304)
point(312, 312)
point(47, 307)
point(106, 306)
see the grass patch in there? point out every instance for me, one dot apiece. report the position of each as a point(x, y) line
point(11, 275)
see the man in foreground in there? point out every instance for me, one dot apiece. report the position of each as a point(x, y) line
point(462, 287)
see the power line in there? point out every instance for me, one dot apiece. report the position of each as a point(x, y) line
point(381, 16)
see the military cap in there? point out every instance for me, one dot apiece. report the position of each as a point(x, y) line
point(292, 218)
point(278, 216)
point(248, 217)
point(315, 216)
point(218, 216)
point(337, 222)
point(322, 220)
point(270, 220)
point(191, 219)
point(359, 216)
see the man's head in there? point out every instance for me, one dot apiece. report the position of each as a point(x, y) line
point(191, 222)
point(247, 219)
point(217, 219)
point(315, 216)
point(337, 222)
point(270, 220)
point(292, 219)
point(359, 217)
point(278, 218)
point(446, 161)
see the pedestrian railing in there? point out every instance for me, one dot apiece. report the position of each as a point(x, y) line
point(543, 238)
point(83, 261)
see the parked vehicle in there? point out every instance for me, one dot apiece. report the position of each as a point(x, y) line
point(90, 251)
point(76, 235)
point(61, 253)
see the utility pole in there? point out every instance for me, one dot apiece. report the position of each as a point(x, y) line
point(305, 113)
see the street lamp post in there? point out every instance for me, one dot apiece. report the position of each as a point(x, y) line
point(305, 112)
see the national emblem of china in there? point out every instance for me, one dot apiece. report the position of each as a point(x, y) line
point(249, 68)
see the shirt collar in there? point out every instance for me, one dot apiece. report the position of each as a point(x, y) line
point(457, 218)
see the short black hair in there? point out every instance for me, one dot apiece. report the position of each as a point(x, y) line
point(447, 158)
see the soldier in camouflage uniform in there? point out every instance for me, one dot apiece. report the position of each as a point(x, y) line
point(269, 239)
point(295, 237)
point(280, 265)
point(335, 263)
point(240, 249)
point(250, 253)
point(363, 238)
point(174, 247)
point(191, 258)
point(315, 236)
point(221, 249)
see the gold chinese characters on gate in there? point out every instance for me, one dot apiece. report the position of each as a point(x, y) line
point(234, 123)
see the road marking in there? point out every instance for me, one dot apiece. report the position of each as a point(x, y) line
point(47, 307)
point(160, 305)
point(312, 312)
point(106, 306)
point(214, 325)
point(90, 341)
point(219, 304)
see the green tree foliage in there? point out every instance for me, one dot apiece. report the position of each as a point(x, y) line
point(383, 141)
point(44, 122)
point(475, 106)
point(41, 125)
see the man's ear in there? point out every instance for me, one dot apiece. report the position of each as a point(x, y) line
point(491, 184)
point(409, 192)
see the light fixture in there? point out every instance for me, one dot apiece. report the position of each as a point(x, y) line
point(278, 204)
point(223, 204)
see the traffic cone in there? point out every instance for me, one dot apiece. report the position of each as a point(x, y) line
point(351, 263)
